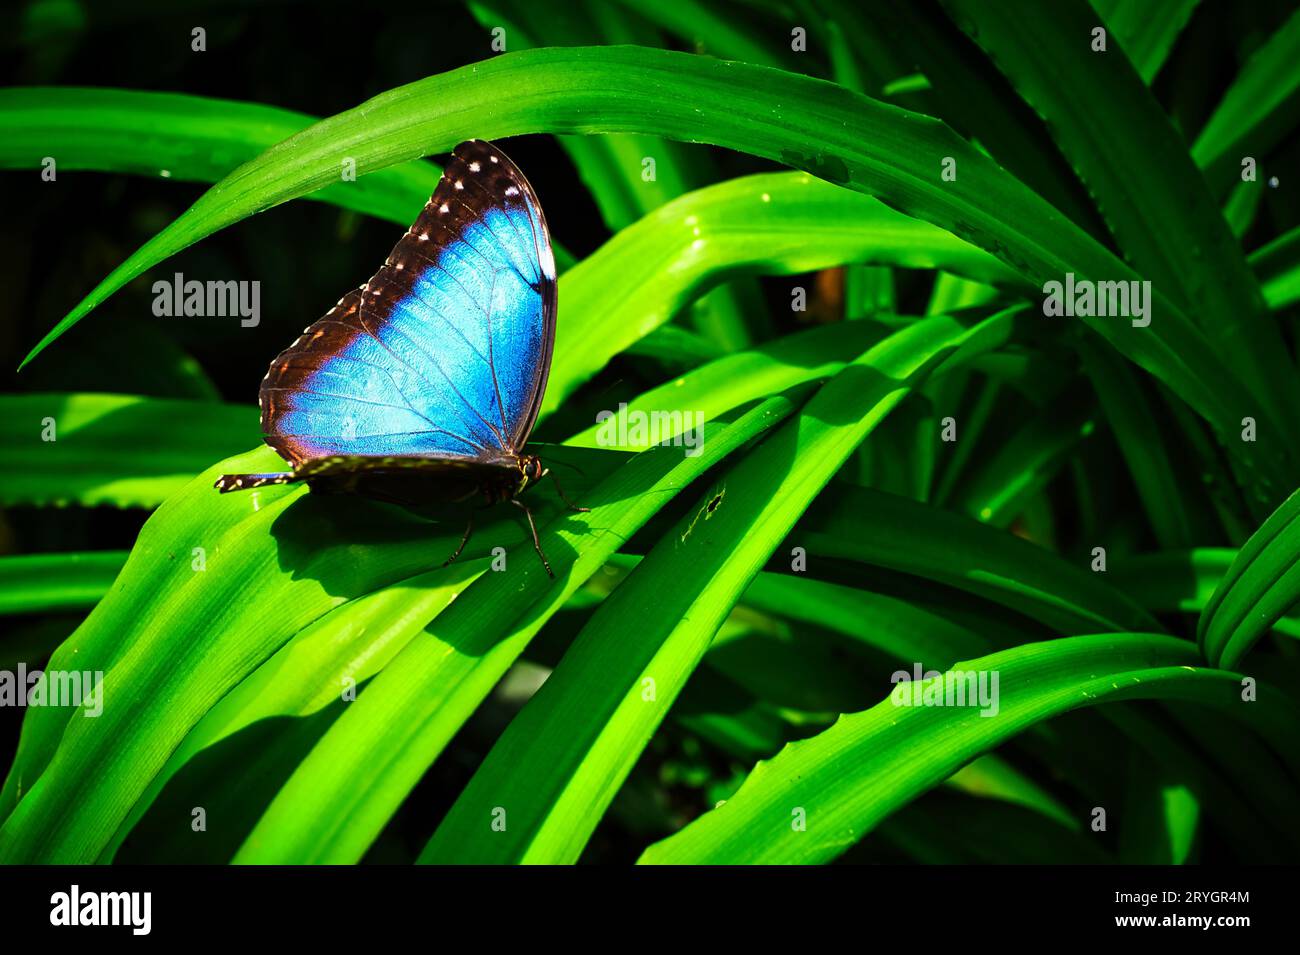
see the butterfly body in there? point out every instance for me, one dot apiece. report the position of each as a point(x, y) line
point(403, 480)
point(424, 383)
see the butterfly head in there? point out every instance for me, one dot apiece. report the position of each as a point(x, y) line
point(531, 470)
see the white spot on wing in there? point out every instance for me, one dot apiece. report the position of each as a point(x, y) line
point(546, 259)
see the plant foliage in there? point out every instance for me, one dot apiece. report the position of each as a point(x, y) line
point(829, 231)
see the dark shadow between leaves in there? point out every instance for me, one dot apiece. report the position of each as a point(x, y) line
point(232, 782)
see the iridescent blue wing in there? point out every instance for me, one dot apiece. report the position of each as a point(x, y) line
point(445, 352)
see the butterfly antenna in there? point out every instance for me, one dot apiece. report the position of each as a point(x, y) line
point(537, 544)
point(560, 491)
point(570, 466)
point(469, 529)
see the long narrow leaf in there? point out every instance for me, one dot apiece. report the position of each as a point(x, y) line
point(188, 138)
point(1153, 198)
point(1262, 584)
point(41, 583)
point(112, 449)
point(842, 782)
point(339, 798)
point(817, 126)
point(556, 768)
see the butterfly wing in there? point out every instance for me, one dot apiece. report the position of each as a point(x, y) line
point(446, 350)
point(453, 477)
point(408, 480)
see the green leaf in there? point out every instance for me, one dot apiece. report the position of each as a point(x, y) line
point(1172, 580)
point(214, 586)
point(649, 271)
point(43, 583)
point(905, 630)
point(848, 778)
point(1147, 30)
point(1181, 581)
point(862, 57)
point(1151, 195)
point(30, 765)
point(676, 347)
point(830, 532)
point(978, 400)
point(1240, 209)
point(947, 828)
point(561, 761)
point(994, 777)
point(112, 449)
point(1261, 585)
point(711, 31)
point(338, 652)
point(188, 138)
point(1207, 765)
point(893, 532)
point(1277, 266)
point(831, 132)
point(997, 491)
point(1131, 413)
point(732, 380)
point(1160, 815)
point(1257, 111)
point(972, 97)
point(339, 798)
point(609, 166)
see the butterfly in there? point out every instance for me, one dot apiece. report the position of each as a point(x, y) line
point(425, 382)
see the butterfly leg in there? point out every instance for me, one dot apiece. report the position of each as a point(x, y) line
point(469, 529)
point(537, 544)
point(560, 491)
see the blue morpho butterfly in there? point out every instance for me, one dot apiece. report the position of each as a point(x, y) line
point(425, 382)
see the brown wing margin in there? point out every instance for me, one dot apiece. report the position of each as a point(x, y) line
point(477, 177)
point(480, 164)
